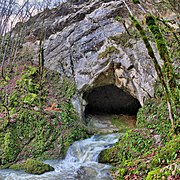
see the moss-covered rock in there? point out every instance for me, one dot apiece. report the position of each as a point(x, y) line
point(147, 152)
point(122, 39)
point(109, 156)
point(131, 145)
point(108, 52)
point(39, 121)
point(33, 167)
point(10, 148)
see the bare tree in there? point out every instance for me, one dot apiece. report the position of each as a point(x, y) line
point(11, 13)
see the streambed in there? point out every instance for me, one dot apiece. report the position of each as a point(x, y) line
point(81, 162)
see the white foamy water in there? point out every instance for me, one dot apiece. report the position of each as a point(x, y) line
point(81, 162)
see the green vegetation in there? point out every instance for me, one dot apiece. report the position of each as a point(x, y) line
point(122, 39)
point(152, 151)
point(168, 153)
point(131, 146)
point(136, 1)
point(146, 152)
point(160, 124)
point(108, 52)
point(33, 166)
point(165, 173)
point(162, 48)
point(165, 74)
point(123, 122)
point(37, 118)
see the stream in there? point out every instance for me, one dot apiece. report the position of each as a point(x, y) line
point(80, 163)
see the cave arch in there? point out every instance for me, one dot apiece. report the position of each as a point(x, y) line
point(110, 99)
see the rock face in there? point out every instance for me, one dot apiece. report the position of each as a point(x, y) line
point(85, 42)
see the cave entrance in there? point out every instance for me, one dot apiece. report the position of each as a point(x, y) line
point(109, 104)
point(110, 100)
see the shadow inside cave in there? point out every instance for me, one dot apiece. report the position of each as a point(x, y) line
point(110, 99)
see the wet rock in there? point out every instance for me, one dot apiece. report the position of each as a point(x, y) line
point(33, 167)
point(107, 123)
point(86, 173)
point(101, 124)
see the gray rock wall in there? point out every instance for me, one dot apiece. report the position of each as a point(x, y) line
point(86, 43)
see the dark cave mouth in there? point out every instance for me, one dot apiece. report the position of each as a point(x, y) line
point(110, 100)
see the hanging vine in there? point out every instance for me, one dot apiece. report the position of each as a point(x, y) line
point(162, 48)
point(165, 74)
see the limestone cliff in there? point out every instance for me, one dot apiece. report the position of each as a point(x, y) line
point(83, 40)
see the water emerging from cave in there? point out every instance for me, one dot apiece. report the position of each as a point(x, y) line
point(81, 162)
point(110, 109)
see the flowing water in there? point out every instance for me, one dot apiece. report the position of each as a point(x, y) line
point(81, 162)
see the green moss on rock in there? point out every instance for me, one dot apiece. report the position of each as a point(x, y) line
point(42, 122)
point(109, 156)
point(122, 39)
point(108, 52)
point(10, 148)
point(136, 1)
point(33, 167)
point(17, 166)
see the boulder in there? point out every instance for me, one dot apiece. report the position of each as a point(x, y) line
point(33, 167)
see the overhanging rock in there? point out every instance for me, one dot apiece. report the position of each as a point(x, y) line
point(110, 100)
point(86, 43)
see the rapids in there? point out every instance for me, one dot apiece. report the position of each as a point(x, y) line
point(80, 163)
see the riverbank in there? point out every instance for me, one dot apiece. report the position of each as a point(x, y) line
point(81, 162)
point(37, 119)
point(151, 151)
